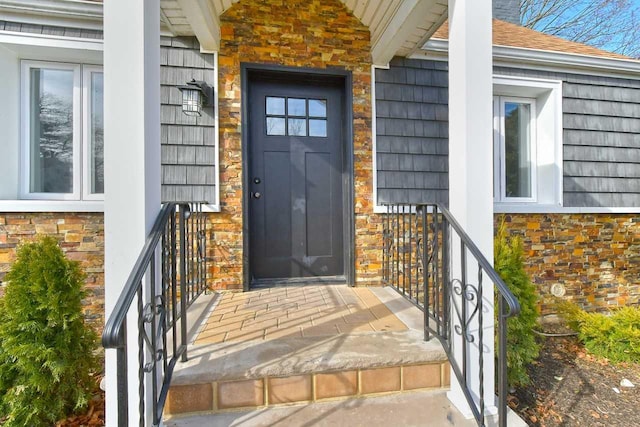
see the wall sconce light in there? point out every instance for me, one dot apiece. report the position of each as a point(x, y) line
point(195, 95)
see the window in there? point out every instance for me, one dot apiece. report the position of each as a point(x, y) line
point(62, 131)
point(515, 150)
point(302, 117)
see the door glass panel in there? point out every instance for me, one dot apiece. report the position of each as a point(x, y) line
point(317, 127)
point(296, 107)
point(97, 134)
point(297, 127)
point(317, 108)
point(517, 136)
point(275, 126)
point(51, 130)
point(275, 106)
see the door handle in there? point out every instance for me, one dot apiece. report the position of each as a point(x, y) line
point(257, 195)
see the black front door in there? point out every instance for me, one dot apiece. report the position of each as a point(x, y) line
point(295, 179)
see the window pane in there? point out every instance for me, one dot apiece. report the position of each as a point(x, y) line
point(317, 108)
point(297, 107)
point(317, 127)
point(297, 127)
point(275, 106)
point(51, 130)
point(97, 134)
point(275, 126)
point(517, 136)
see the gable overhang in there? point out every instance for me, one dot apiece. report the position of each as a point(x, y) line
point(397, 27)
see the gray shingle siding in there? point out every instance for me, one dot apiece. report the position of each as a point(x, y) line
point(507, 10)
point(412, 132)
point(601, 135)
point(188, 143)
point(50, 30)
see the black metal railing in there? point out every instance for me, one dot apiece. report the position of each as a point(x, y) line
point(420, 242)
point(168, 276)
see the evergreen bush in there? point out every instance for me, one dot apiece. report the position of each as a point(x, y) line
point(46, 350)
point(614, 336)
point(522, 347)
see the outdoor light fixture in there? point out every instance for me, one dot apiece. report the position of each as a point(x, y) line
point(195, 95)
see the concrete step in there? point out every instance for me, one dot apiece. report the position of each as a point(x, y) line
point(418, 408)
point(234, 375)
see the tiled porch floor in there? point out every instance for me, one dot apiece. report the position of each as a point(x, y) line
point(296, 311)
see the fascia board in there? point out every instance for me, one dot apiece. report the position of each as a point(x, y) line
point(558, 61)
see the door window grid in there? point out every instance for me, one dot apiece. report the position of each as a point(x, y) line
point(289, 116)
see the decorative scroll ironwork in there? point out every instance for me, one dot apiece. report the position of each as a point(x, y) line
point(424, 275)
point(468, 294)
point(177, 242)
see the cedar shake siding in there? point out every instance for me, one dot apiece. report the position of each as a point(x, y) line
point(188, 142)
point(412, 132)
point(507, 10)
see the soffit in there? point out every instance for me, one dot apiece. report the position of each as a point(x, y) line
point(397, 27)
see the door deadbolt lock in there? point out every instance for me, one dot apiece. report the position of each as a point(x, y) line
point(256, 180)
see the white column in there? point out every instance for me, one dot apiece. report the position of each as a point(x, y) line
point(132, 160)
point(471, 166)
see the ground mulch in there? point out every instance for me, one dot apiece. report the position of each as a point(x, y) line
point(93, 415)
point(570, 387)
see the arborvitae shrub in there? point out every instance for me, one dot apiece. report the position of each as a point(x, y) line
point(522, 347)
point(615, 336)
point(46, 350)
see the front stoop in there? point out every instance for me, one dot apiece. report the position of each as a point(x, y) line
point(237, 376)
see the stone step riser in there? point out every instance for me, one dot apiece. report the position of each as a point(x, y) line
point(247, 394)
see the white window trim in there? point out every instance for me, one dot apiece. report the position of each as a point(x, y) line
point(500, 178)
point(548, 130)
point(25, 138)
point(87, 70)
point(374, 158)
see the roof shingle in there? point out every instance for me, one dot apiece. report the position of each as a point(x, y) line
point(512, 35)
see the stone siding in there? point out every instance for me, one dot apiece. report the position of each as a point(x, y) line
point(595, 256)
point(81, 237)
point(297, 33)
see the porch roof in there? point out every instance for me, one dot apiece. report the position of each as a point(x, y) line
point(397, 27)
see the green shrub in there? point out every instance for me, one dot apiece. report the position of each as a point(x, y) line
point(46, 350)
point(522, 347)
point(614, 336)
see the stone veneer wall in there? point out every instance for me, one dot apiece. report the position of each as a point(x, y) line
point(296, 33)
point(81, 237)
point(595, 256)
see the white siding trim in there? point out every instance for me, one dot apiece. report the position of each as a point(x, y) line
point(215, 207)
point(374, 137)
point(46, 40)
point(542, 209)
point(50, 206)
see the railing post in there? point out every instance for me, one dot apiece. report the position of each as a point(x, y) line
point(122, 380)
point(425, 268)
point(183, 281)
point(502, 363)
